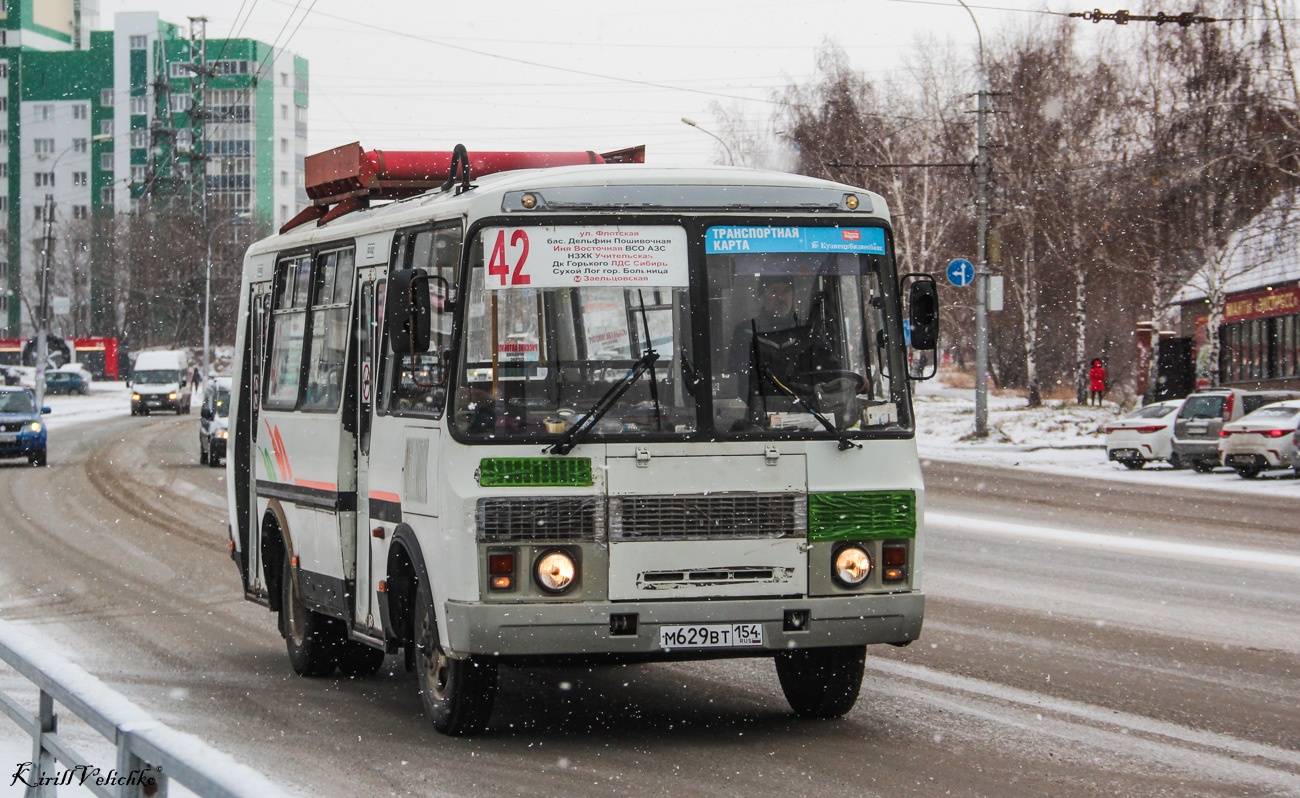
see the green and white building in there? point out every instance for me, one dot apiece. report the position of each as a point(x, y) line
point(104, 120)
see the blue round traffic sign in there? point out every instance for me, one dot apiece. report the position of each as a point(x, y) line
point(961, 272)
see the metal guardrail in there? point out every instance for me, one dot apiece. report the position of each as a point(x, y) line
point(149, 753)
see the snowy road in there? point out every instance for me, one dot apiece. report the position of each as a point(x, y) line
point(1083, 637)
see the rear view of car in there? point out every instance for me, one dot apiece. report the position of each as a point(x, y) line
point(1261, 440)
point(22, 432)
point(1143, 435)
point(1201, 419)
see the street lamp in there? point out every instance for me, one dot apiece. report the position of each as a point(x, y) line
point(730, 159)
point(207, 292)
point(47, 245)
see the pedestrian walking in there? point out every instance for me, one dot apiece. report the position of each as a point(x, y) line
point(1096, 382)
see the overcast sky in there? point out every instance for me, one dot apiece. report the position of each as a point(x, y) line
point(411, 74)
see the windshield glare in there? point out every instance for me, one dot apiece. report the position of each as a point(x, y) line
point(222, 402)
point(16, 402)
point(156, 377)
point(790, 332)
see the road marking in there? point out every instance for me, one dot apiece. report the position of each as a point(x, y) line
point(1209, 748)
point(1222, 555)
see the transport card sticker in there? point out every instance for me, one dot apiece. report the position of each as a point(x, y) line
point(726, 240)
point(576, 257)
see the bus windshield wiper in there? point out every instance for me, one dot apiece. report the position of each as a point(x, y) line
point(584, 425)
point(843, 438)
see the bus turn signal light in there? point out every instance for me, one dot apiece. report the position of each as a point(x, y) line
point(894, 556)
point(893, 575)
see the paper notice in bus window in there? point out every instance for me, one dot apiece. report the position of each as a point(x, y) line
point(576, 257)
point(518, 351)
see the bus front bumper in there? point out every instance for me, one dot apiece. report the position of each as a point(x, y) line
point(586, 629)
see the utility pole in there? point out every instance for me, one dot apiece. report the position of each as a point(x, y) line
point(201, 71)
point(982, 174)
point(42, 315)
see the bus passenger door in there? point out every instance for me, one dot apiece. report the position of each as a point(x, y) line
point(246, 467)
point(369, 512)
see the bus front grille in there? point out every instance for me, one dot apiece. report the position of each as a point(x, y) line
point(715, 517)
point(522, 519)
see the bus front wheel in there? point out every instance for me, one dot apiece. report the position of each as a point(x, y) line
point(313, 640)
point(457, 693)
point(821, 682)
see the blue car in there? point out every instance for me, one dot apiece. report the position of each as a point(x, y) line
point(22, 433)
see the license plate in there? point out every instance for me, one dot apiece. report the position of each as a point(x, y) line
point(711, 635)
point(1248, 459)
point(1124, 454)
point(8, 437)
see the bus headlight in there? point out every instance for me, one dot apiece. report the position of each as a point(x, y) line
point(555, 571)
point(852, 566)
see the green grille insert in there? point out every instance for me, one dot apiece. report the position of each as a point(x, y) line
point(878, 515)
point(534, 472)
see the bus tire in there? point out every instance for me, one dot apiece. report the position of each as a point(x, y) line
point(821, 682)
point(457, 693)
point(313, 640)
point(359, 660)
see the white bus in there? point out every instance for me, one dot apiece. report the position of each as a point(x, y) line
point(597, 412)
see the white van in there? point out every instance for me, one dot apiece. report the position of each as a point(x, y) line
point(160, 381)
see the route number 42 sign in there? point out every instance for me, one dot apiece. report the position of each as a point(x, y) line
point(571, 257)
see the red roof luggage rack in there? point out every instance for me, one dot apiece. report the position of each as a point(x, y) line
point(348, 177)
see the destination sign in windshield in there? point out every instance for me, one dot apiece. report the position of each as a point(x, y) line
point(572, 256)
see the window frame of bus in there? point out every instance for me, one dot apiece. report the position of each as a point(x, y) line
point(696, 227)
point(440, 342)
point(307, 309)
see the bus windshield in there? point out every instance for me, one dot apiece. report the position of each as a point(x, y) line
point(795, 341)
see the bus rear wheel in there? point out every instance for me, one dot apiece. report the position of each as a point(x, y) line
point(457, 693)
point(821, 682)
point(313, 640)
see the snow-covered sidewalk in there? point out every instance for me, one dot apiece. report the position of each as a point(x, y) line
point(1058, 437)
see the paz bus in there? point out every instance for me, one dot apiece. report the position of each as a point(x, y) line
point(569, 407)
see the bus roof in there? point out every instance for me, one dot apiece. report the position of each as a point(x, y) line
point(607, 187)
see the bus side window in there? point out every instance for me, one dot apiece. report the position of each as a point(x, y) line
point(330, 317)
point(288, 328)
point(418, 383)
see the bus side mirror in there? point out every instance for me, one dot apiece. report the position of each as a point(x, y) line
point(923, 312)
point(407, 311)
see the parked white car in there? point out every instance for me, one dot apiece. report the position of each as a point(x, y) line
point(1261, 440)
point(1143, 435)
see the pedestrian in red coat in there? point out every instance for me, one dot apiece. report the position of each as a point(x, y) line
point(1096, 382)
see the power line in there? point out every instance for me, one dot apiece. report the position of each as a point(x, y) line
point(542, 65)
